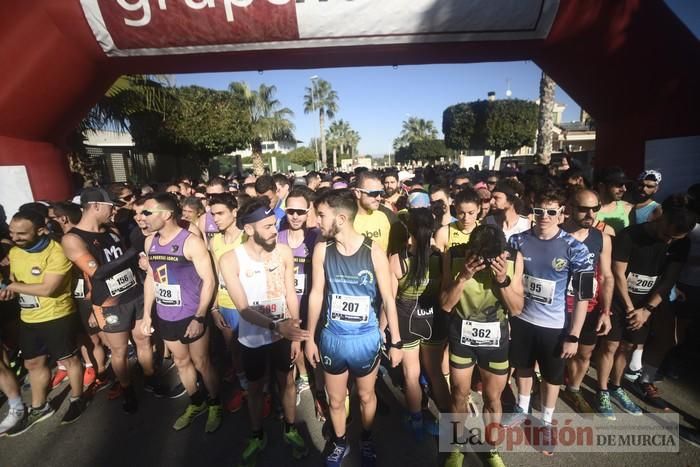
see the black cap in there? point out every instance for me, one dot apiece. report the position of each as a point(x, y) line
point(94, 195)
point(612, 176)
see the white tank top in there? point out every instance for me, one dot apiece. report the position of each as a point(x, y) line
point(263, 284)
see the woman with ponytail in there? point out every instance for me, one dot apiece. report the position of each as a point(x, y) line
point(416, 273)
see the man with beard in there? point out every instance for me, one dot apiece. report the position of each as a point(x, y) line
point(610, 184)
point(259, 276)
point(351, 272)
point(505, 201)
point(373, 220)
point(181, 282)
point(646, 209)
point(647, 260)
point(582, 207)
point(391, 191)
point(40, 275)
point(114, 285)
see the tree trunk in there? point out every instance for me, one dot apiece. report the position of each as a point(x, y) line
point(546, 120)
point(258, 164)
point(323, 138)
point(335, 158)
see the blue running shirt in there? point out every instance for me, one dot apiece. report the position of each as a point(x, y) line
point(351, 290)
point(549, 265)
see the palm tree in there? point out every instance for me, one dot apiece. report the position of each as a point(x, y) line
point(415, 129)
point(268, 121)
point(322, 98)
point(546, 120)
point(129, 97)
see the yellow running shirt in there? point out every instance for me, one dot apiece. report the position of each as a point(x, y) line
point(375, 226)
point(218, 248)
point(30, 268)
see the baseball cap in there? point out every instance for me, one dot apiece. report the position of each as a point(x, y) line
point(94, 195)
point(651, 175)
point(418, 199)
point(612, 176)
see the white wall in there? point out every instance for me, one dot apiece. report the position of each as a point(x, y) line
point(678, 160)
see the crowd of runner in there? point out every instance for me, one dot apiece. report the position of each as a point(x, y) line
point(275, 285)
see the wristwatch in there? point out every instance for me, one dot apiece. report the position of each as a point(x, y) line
point(272, 326)
point(650, 308)
point(397, 345)
point(571, 338)
point(199, 319)
point(504, 284)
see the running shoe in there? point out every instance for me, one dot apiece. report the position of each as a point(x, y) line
point(368, 452)
point(252, 451)
point(75, 410)
point(624, 401)
point(31, 418)
point(338, 453)
point(576, 401)
point(632, 375)
point(214, 416)
point(60, 376)
point(493, 459)
point(89, 376)
point(235, 402)
point(302, 384)
point(455, 459)
point(605, 408)
point(547, 441)
point(650, 394)
point(514, 418)
point(415, 426)
point(295, 440)
point(115, 391)
point(13, 417)
point(191, 412)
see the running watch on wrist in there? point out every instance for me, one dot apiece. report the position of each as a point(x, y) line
point(504, 284)
point(199, 319)
point(396, 345)
point(571, 339)
point(272, 326)
point(650, 308)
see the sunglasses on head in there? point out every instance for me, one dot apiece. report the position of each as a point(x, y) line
point(148, 213)
point(298, 212)
point(542, 211)
point(585, 209)
point(371, 193)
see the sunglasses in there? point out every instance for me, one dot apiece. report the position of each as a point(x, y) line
point(542, 211)
point(127, 198)
point(491, 182)
point(371, 193)
point(651, 187)
point(585, 209)
point(298, 212)
point(148, 213)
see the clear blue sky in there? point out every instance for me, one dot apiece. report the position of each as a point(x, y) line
point(376, 100)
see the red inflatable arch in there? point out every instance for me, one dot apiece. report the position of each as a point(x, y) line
point(630, 63)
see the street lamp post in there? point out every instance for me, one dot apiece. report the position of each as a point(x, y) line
point(313, 107)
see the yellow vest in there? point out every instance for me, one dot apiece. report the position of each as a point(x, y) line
point(218, 248)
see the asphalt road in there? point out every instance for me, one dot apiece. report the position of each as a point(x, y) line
point(106, 437)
